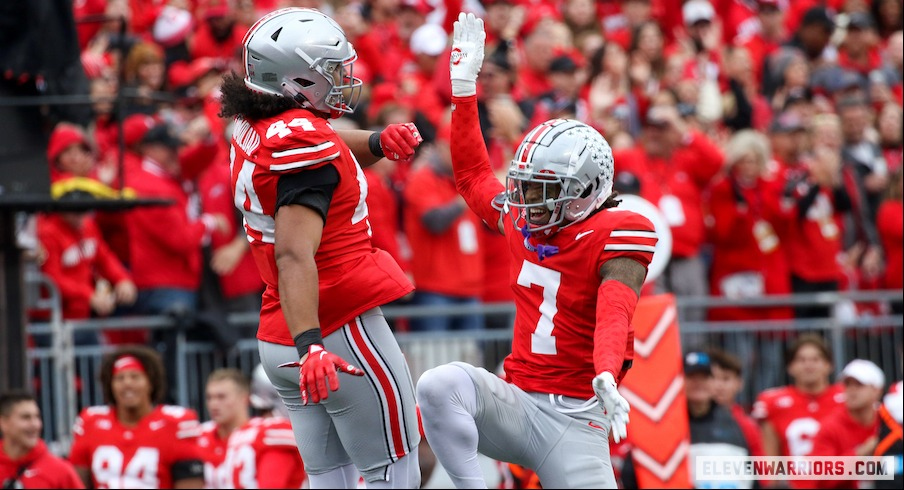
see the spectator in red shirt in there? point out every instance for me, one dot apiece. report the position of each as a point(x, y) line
point(768, 37)
point(890, 222)
point(446, 259)
point(748, 257)
point(218, 35)
point(727, 383)
point(854, 430)
point(25, 461)
point(75, 257)
point(675, 164)
point(860, 50)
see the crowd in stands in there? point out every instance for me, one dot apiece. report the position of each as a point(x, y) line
point(767, 132)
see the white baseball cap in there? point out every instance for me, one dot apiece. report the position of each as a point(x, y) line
point(429, 39)
point(697, 10)
point(866, 372)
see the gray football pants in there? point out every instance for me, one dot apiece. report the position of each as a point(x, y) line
point(371, 421)
point(467, 410)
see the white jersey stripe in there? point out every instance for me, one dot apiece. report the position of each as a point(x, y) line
point(303, 151)
point(632, 234)
point(302, 163)
point(629, 247)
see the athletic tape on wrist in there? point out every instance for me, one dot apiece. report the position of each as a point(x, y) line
point(374, 143)
point(306, 339)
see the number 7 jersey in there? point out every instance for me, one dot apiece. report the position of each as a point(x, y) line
point(354, 277)
point(556, 298)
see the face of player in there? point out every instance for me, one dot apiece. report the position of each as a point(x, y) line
point(226, 403)
point(534, 194)
point(698, 387)
point(726, 385)
point(809, 367)
point(131, 389)
point(858, 396)
point(22, 427)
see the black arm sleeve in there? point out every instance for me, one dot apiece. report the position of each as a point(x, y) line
point(187, 469)
point(804, 203)
point(310, 188)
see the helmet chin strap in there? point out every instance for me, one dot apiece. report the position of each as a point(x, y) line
point(543, 250)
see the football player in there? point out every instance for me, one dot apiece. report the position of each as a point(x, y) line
point(577, 268)
point(303, 195)
point(240, 451)
point(789, 416)
point(134, 441)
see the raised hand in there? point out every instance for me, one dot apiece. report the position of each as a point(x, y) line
point(468, 39)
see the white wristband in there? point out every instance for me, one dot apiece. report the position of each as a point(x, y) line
point(463, 88)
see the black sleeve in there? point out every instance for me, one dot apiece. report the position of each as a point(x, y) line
point(438, 220)
point(187, 469)
point(311, 188)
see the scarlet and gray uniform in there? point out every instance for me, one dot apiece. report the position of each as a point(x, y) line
point(297, 158)
point(545, 415)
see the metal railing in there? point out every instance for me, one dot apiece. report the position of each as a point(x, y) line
point(66, 375)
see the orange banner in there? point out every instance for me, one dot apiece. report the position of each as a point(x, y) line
point(659, 431)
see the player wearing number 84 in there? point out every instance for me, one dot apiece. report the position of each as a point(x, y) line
point(578, 265)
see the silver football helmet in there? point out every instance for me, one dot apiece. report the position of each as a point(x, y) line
point(562, 172)
point(303, 54)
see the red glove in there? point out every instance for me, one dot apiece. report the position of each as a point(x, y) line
point(398, 141)
point(318, 367)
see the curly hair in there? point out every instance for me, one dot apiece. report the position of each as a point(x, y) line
point(153, 367)
point(611, 201)
point(238, 100)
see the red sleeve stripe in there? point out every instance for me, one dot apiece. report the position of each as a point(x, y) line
point(632, 234)
point(303, 151)
point(302, 163)
point(629, 247)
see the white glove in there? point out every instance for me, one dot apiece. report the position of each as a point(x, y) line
point(614, 405)
point(468, 38)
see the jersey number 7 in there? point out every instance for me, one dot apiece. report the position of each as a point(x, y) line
point(542, 341)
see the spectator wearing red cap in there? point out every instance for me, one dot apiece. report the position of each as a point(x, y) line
point(675, 165)
point(446, 259)
point(852, 431)
point(218, 35)
point(377, 41)
point(69, 153)
point(748, 258)
point(890, 222)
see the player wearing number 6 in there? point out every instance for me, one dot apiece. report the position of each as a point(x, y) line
point(133, 441)
point(577, 269)
point(302, 192)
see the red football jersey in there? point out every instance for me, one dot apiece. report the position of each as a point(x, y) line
point(555, 298)
point(213, 453)
point(354, 276)
point(796, 415)
point(134, 457)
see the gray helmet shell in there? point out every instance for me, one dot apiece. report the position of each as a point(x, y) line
point(566, 153)
point(303, 54)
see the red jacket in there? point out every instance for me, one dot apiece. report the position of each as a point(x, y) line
point(383, 214)
point(43, 470)
point(813, 237)
point(164, 241)
point(74, 259)
point(748, 256)
point(676, 185)
point(890, 222)
point(215, 188)
point(449, 262)
point(750, 429)
point(204, 45)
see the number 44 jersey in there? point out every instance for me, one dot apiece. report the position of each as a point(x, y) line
point(275, 157)
point(145, 455)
